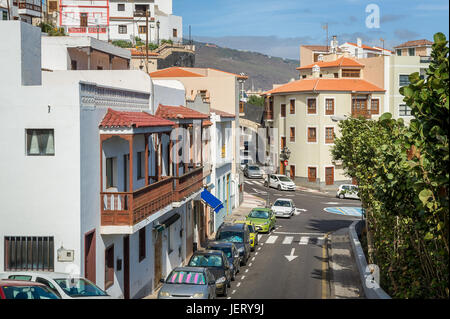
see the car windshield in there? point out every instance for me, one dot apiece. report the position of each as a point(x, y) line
point(226, 250)
point(282, 203)
point(79, 287)
point(186, 277)
point(253, 168)
point(258, 214)
point(284, 179)
point(231, 236)
point(30, 292)
point(206, 261)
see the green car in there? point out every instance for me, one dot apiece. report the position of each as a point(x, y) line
point(263, 218)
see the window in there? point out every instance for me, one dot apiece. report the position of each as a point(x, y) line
point(312, 174)
point(142, 29)
point(292, 134)
point(329, 106)
point(83, 20)
point(336, 75)
point(303, 76)
point(121, 7)
point(175, 33)
point(52, 5)
point(142, 244)
point(109, 266)
point(5, 15)
point(122, 29)
point(140, 165)
point(399, 52)
point(375, 106)
point(292, 171)
point(40, 142)
point(99, 68)
point(283, 142)
point(404, 110)
point(312, 135)
point(292, 107)
point(329, 135)
point(348, 73)
point(412, 51)
point(110, 169)
point(312, 106)
point(404, 80)
point(29, 253)
point(283, 110)
point(73, 65)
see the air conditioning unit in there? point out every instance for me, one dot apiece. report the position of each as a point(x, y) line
point(65, 255)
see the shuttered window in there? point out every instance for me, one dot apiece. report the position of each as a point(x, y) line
point(109, 266)
point(312, 109)
point(329, 135)
point(329, 106)
point(312, 136)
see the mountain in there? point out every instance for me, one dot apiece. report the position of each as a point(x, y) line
point(263, 70)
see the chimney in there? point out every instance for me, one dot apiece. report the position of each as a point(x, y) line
point(359, 42)
point(316, 71)
point(334, 44)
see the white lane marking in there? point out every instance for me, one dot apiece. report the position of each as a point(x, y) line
point(243, 277)
point(246, 270)
point(256, 253)
point(304, 240)
point(306, 234)
point(249, 182)
point(259, 237)
point(250, 264)
point(238, 284)
point(331, 203)
point(233, 292)
point(288, 240)
point(259, 248)
point(271, 239)
point(291, 257)
point(228, 297)
point(253, 259)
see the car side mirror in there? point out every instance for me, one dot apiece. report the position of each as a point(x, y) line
point(162, 281)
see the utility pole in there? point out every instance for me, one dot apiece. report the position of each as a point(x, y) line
point(146, 40)
point(9, 10)
point(325, 27)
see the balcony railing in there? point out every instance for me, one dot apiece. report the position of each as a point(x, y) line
point(425, 59)
point(30, 6)
point(129, 208)
point(188, 184)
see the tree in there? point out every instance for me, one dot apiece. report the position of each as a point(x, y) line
point(256, 100)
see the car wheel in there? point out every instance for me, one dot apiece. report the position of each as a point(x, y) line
point(225, 290)
point(341, 196)
point(279, 187)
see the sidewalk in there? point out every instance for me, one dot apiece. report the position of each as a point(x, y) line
point(250, 201)
point(345, 281)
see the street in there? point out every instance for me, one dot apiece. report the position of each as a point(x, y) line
point(291, 261)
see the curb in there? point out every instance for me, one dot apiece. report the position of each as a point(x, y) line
point(375, 291)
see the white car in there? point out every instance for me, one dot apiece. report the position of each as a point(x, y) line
point(347, 191)
point(63, 285)
point(280, 182)
point(283, 207)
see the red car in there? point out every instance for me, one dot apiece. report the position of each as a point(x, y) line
point(20, 289)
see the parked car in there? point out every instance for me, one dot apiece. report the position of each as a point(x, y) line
point(347, 191)
point(239, 234)
point(252, 171)
point(19, 289)
point(263, 218)
point(188, 282)
point(280, 182)
point(63, 285)
point(253, 232)
point(231, 252)
point(245, 160)
point(217, 264)
point(283, 207)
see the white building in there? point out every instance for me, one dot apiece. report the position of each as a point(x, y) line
point(73, 137)
point(360, 50)
point(121, 20)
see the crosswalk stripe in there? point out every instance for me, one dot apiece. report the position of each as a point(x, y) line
point(259, 237)
point(304, 240)
point(288, 240)
point(271, 239)
point(249, 182)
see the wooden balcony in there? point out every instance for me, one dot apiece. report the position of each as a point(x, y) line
point(188, 183)
point(129, 208)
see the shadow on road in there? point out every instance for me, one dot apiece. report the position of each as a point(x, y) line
point(328, 225)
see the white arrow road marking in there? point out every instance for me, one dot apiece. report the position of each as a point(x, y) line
point(302, 209)
point(291, 257)
point(271, 239)
point(304, 240)
point(259, 192)
point(288, 240)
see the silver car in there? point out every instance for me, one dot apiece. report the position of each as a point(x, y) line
point(283, 207)
point(188, 283)
point(252, 171)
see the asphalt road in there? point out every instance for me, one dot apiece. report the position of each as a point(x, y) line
point(289, 262)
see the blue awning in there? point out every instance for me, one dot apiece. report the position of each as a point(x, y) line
point(211, 200)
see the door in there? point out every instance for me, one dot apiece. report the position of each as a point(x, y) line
point(282, 168)
point(126, 267)
point(158, 259)
point(312, 174)
point(89, 256)
point(329, 175)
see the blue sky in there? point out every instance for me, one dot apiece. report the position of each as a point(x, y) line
point(278, 27)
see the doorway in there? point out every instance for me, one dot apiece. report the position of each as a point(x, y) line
point(89, 256)
point(126, 267)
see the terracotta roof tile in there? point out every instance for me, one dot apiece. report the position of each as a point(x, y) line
point(179, 112)
point(174, 72)
point(341, 62)
point(222, 113)
point(414, 43)
point(310, 85)
point(114, 118)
